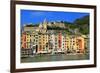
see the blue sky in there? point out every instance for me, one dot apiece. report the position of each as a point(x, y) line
point(35, 17)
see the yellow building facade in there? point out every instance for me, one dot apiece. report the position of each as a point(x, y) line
point(42, 43)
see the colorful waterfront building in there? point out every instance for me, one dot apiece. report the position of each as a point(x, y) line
point(75, 43)
point(68, 42)
point(56, 42)
point(23, 40)
point(60, 40)
point(64, 43)
point(34, 41)
point(51, 40)
point(43, 43)
point(81, 44)
point(87, 43)
point(31, 36)
point(72, 43)
point(28, 39)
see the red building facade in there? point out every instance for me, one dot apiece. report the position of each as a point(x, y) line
point(60, 40)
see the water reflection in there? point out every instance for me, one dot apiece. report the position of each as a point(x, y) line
point(55, 57)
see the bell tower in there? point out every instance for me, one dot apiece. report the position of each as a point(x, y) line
point(45, 24)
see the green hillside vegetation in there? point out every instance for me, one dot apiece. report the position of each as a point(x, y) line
point(81, 24)
point(82, 21)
